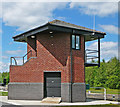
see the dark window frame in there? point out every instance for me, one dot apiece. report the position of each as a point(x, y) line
point(75, 42)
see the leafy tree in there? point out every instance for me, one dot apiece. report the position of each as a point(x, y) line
point(107, 75)
point(4, 75)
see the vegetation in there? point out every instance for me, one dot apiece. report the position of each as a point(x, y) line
point(4, 75)
point(107, 75)
point(108, 91)
point(3, 93)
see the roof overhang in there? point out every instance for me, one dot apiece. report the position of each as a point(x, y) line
point(52, 27)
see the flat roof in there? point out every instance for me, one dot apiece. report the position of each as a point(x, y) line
point(61, 26)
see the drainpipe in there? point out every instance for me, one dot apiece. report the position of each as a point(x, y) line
point(71, 64)
point(84, 64)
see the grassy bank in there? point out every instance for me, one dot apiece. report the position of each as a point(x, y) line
point(108, 91)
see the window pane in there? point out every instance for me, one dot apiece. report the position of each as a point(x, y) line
point(77, 42)
point(73, 41)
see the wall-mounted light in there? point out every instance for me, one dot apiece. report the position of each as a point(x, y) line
point(51, 36)
point(93, 33)
point(32, 36)
point(50, 32)
point(92, 36)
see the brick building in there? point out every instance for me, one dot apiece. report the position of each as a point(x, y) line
point(55, 65)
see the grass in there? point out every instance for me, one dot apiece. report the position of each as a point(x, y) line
point(108, 91)
point(113, 91)
point(3, 93)
point(107, 105)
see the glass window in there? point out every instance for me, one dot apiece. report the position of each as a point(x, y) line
point(77, 42)
point(73, 41)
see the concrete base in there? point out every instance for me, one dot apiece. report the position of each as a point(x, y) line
point(66, 92)
point(25, 91)
point(35, 91)
point(78, 92)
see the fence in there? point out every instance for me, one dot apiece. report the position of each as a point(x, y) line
point(20, 60)
point(96, 93)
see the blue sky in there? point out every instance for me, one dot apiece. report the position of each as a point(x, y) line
point(18, 17)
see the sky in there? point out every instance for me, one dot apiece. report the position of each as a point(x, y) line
point(18, 17)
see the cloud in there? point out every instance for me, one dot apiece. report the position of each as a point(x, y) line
point(27, 15)
point(0, 25)
point(0, 30)
point(4, 67)
point(5, 57)
point(10, 43)
point(108, 49)
point(14, 52)
point(101, 9)
point(61, 18)
point(0, 9)
point(110, 28)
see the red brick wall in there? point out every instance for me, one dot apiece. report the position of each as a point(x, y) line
point(31, 45)
point(53, 54)
point(49, 58)
point(78, 63)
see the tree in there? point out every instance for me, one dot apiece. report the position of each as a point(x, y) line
point(107, 75)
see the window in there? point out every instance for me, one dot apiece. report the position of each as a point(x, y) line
point(75, 42)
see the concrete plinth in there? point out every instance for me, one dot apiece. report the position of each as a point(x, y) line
point(78, 92)
point(25, 91)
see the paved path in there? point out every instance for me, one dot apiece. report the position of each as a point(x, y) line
point(8, 105)
point(35, 103)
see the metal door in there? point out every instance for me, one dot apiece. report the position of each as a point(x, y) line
point(52, 84)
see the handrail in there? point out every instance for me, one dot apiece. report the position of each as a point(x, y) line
point(28, 53)
point(92, 58)
point(19, 57)
point(14, 60)
point(89, 51)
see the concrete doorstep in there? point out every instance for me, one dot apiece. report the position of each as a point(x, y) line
point(55, 100)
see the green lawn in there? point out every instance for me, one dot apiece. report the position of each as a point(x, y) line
point(108, 105)
point(109, 91)
point(113, 91)
point(3, 93)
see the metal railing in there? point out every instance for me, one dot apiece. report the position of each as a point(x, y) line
point(23, 58)
point(91, 55)
point(97, 93)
